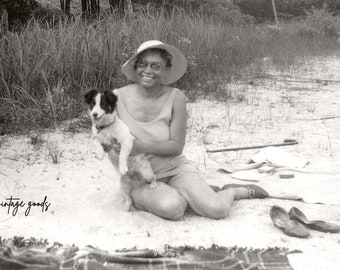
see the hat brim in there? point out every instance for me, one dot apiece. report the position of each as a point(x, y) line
point(177, 70)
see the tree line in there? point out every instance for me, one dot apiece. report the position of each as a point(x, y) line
point(16, 12)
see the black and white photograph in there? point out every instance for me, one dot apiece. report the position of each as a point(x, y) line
point(179, 134)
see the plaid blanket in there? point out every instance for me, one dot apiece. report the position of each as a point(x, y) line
point(20, 253)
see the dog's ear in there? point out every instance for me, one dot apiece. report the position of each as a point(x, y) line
point(111, 97)
point(90, 95)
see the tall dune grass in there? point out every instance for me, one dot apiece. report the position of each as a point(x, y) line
point(45, 70)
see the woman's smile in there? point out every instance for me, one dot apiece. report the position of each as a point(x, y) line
point(150, 69)
point(147, 78)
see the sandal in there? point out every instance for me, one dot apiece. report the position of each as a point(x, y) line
point(319, 225)
point(254, 191)
point(290, 227)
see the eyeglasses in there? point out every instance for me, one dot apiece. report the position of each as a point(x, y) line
point(155, 66)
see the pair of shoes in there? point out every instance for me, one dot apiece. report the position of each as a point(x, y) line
point(319, 225)
point(295, 222)
point(282, 220)
point(254, 191)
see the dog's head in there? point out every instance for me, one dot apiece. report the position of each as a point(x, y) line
point(100, 104)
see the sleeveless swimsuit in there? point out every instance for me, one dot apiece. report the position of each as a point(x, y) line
point(156, 130)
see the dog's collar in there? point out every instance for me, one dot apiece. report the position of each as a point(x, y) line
point(100, 127)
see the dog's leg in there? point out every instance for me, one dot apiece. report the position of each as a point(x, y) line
point(125, 150)
point(100, 154)
point(125, 190)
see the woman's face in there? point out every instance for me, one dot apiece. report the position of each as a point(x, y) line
point(150, 68)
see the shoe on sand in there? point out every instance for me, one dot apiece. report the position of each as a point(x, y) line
point(319, 225)
point(281, 219)
point(254, 191)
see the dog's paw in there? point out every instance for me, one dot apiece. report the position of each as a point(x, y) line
point(153, 185)
point(123, 169)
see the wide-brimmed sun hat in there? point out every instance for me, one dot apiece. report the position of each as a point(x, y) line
point(178, 62)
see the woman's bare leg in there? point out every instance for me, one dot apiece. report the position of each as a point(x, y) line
point(202, 199)
point(163, 201)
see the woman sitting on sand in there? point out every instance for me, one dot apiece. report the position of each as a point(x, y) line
point(156, 116)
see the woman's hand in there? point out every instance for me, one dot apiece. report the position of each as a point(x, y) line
point(136, 148)
point(114, 145)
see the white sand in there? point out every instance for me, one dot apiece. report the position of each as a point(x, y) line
point(84, 198)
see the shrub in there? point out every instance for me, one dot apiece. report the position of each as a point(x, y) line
point(221, 11)
point(262, 10)
point(324, 22)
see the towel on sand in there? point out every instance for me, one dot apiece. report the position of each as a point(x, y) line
point(319, 183)
point(18, 253)
point(278, 156)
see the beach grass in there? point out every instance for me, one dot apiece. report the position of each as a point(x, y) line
point(46, 68)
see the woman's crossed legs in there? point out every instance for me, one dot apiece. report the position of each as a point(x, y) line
point(170, 200)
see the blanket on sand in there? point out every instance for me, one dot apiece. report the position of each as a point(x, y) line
point(20, 253)
point(316, 183)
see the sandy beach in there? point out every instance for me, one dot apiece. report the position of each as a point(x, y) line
point(77, 200)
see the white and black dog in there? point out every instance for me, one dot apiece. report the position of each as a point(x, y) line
point(108, 128)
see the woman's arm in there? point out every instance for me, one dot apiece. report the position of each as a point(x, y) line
point(178, 127)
